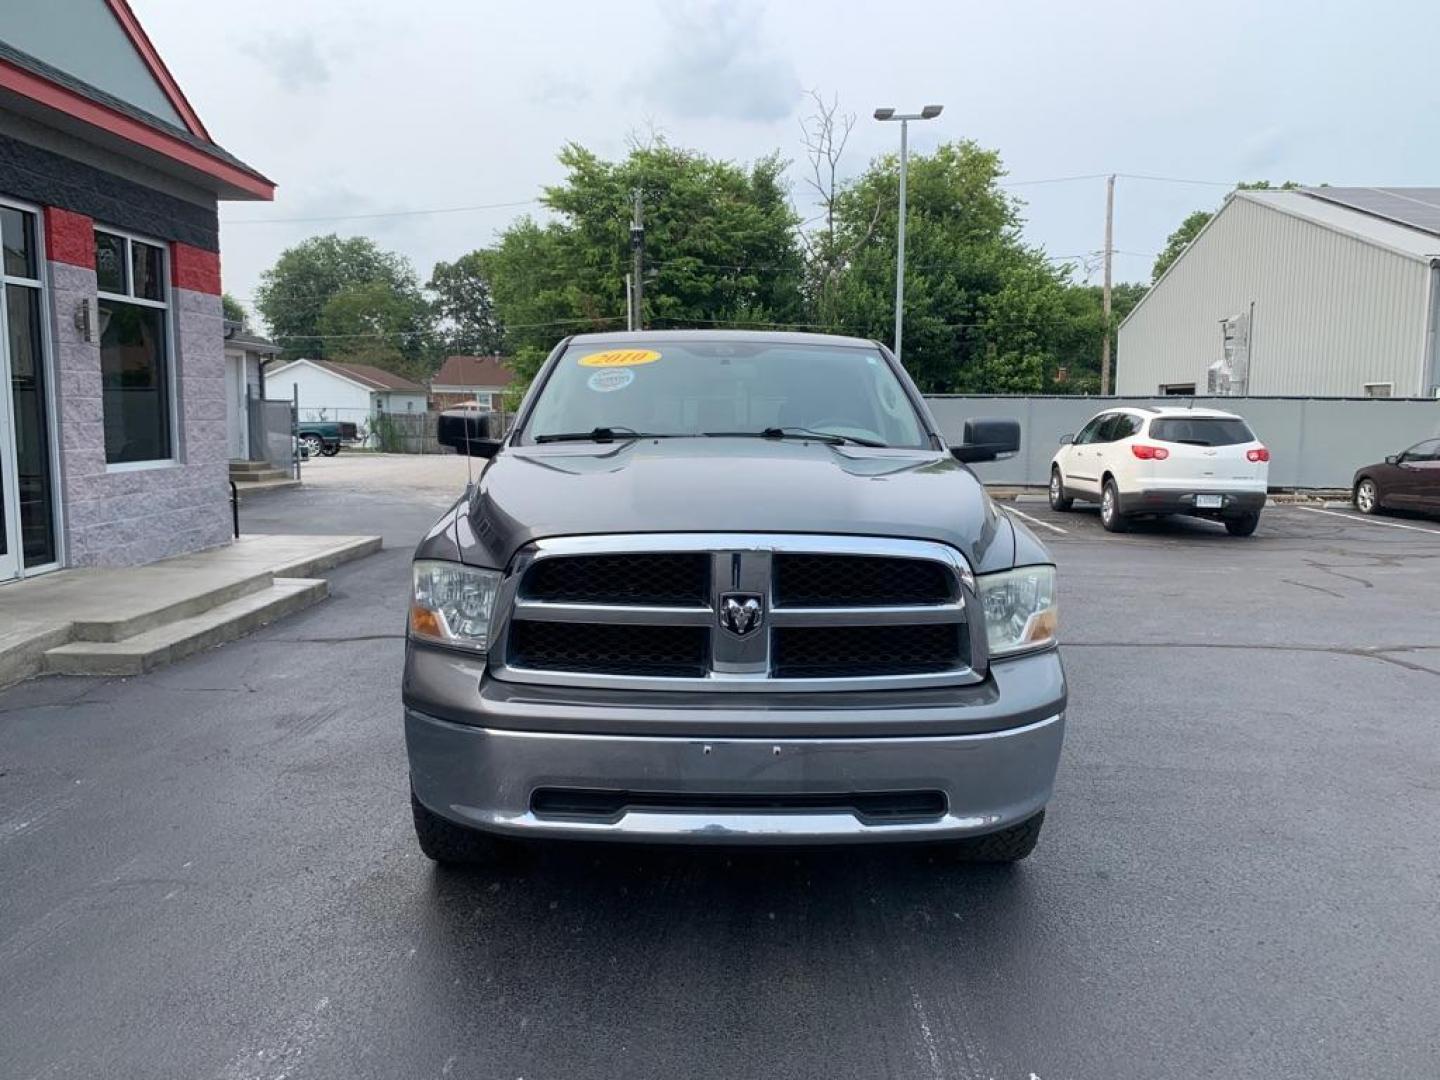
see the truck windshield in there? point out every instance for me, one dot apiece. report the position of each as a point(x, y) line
point(1201, 430)
point(731, 388)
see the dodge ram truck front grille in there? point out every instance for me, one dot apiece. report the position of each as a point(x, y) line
point(737, 612)
point(857, 580)
point(681, 578)
point(676, 651)
point(826, 652)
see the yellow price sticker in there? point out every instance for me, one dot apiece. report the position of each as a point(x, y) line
point(620, 358)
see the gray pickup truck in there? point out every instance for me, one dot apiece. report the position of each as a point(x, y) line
point(730, 587)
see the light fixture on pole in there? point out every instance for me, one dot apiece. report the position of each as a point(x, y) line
point(929, 112)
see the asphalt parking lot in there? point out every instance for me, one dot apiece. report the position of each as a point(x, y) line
point(209, 871)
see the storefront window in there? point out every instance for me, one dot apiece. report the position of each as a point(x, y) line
point(134, 349)
point(18, 231)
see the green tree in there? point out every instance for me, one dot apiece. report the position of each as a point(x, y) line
point(720, 249)
point(294, 293)
point(464, 309)
point(1179, 240)
point(374, 323)
point(983, 311)
point(234, 310)
point(1190, 228)
point(1077, 348)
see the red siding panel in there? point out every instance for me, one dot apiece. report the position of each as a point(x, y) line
point(69, 237)
point(195, 269)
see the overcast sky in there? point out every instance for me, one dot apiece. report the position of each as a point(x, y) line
point(366, 107)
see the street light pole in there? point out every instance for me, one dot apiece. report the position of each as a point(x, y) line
point(929, 112)
point(900, 240)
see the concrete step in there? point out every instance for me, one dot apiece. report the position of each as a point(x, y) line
point(259, 471)
point(170, 641)
point(339, 549)
point(251, 487)
point(200, 598)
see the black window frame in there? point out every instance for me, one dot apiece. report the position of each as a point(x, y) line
point(167, 382)
point(1434, 454)
point(1092, 428)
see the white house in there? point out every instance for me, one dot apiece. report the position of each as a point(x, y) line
point(327, 390)
point(1320, 292)
point(245, 356)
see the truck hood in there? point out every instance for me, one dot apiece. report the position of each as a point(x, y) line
point(724, 485)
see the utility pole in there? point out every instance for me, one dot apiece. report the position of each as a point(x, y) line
point(1105, 294)
point(637, 254)
point(629, 303)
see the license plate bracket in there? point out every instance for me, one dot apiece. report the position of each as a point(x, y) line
point(1209, 502)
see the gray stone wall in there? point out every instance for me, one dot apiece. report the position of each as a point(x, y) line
point(137, 516)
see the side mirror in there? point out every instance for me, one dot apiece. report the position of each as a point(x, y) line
point(987, 440)
point(1066, 440)
point(467, 431)
point(1392, 459)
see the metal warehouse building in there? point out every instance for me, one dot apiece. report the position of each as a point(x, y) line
point(1325, 292)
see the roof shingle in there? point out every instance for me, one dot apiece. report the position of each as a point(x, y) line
point(470, 371)
point(369, 375)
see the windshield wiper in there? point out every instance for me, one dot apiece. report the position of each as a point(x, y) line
point(833, 438)
point(599, 434)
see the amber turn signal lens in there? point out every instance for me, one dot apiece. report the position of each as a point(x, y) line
point(425, 622)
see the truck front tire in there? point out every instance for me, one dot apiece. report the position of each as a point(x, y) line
point(444, 842)
point(1006, 846)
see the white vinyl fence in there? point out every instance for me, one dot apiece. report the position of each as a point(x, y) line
point(1314, 442)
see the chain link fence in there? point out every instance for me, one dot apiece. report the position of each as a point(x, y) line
point(410, 432)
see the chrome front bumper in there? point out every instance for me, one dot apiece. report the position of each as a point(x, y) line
point(486, 778)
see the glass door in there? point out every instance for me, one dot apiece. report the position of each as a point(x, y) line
point(9, 544)
point(27, 482)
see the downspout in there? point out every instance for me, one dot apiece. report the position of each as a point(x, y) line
point(1430, 357)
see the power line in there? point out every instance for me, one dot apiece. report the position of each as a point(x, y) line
point(392, 334)
point(382, 214)
point(1176, 180)
point(1053, 180)
point(422, 211)
point(764, 267)
point(679, 323)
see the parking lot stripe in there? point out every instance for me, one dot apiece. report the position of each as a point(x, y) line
point(1037, 521)
point(1367, 521)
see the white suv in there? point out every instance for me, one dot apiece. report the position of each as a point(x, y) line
point(1142, 461)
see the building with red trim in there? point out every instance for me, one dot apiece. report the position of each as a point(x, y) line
point(113, 446)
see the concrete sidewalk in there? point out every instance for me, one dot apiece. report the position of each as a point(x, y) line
point(128, 620)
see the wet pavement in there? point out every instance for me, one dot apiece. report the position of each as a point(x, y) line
point(209, 871)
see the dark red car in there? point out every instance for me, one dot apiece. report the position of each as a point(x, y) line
point(1408, 481)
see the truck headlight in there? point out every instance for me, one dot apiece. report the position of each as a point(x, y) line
point(1020, 611)
point(452, 604)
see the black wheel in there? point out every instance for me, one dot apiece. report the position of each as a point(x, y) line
point(449, 844)
point(1367, 497)
point(1243, 525)
point(330, 451)
point(1110, 515)
point(314, 443)
point(1006, 846)
point(1058, 499)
